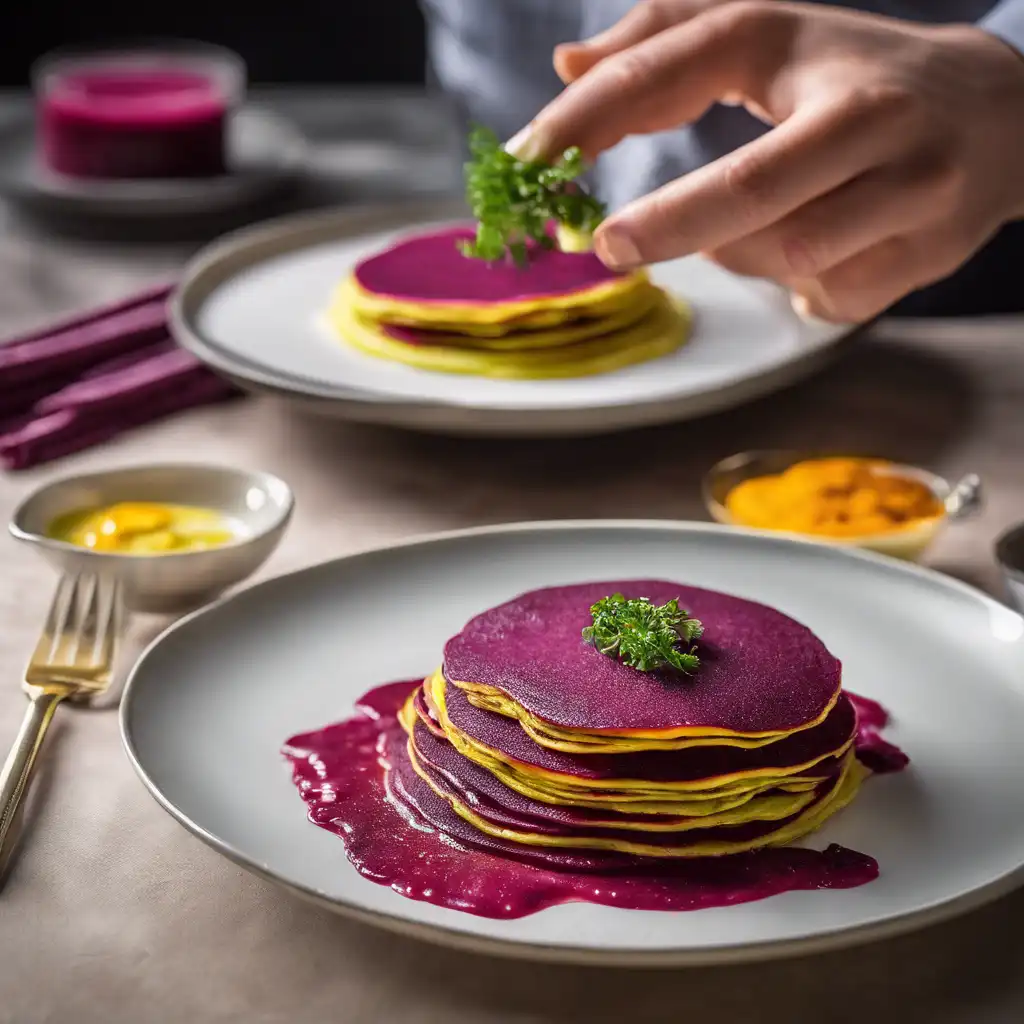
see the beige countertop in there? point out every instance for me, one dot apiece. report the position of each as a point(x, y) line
point(115, 914)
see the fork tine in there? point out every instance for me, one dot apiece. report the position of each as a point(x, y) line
point(94, 634)
point(84, 632)
point(82, 627)
point(109, 610)
point(56, 620)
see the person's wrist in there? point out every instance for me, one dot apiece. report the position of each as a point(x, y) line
point(1000, 79)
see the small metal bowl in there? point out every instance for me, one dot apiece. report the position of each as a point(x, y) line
point(1010, 556)
point(176, 581)
point(959, 500)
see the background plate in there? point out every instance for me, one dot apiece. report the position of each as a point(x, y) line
point(265, 153)
point(210, 703)
point(251, 306)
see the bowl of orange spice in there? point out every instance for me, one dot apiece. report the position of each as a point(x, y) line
point(870, 503)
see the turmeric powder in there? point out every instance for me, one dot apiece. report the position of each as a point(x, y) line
point(834, 497)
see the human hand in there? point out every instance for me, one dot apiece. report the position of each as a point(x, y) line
point(897, 150)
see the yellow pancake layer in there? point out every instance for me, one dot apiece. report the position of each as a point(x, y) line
point(661, 331)
point(426, 313)
point(845, 790)
point(570, 332)
point(770, 806)
point(629, 795)
point(621, 741)
point(547, 790)
point(691, 805)
point(522, 324)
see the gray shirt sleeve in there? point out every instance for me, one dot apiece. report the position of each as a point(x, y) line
point(493, 57)
point(1006, 20)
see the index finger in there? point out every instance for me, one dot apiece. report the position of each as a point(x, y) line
point(643, 20)
point(811, 153)
point(665, 81)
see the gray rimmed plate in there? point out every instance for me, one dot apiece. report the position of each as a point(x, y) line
point(252, 304)
point(209, 704)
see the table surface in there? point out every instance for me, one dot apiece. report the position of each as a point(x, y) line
point(114, 913)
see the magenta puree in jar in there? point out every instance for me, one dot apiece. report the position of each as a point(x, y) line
point(147, 113)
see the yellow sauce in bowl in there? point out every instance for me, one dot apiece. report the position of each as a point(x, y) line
point(145, 528)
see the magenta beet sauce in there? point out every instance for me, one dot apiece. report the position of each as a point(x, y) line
point(341, 772)
point(133, 123)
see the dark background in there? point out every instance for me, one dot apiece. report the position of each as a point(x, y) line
point(285, 41)
point(374, 42)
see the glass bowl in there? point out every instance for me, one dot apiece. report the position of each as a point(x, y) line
point(910, 543)
point(147, 110)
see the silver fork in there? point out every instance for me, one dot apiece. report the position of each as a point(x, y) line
point(73, 660)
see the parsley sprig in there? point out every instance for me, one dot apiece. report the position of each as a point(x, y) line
point(643, 635)
point(513, 200)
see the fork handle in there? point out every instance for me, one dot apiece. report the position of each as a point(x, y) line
point(17, 770)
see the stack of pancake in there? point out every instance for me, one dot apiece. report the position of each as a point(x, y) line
point(421, 302)
point(530, 742)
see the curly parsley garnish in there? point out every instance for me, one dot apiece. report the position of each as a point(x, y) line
point(643, 635)
point(513, 200)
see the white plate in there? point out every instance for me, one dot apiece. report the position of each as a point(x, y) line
point(266, 152)
point(252, 307)
point(209, 704)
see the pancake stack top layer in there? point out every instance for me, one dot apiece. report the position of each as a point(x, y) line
point(423, 303)
point(529, 740)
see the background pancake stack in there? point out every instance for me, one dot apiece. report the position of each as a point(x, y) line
point(421, 302)
point(530, 742)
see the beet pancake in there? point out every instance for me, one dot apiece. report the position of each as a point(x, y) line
point(516, 780)
point(650, 842)
point(568, 333)
point(761, 673)
point(461, 780)
point(426, 278)
point(702, 766)
point(500, 746)
point(660, 331)
point(576, 742)
point(634, 796)
point(349, 295)
point(463, 825)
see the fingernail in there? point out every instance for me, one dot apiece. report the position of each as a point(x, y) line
point(801, 306)
point(809, 311)
point(598, 39)
point(525, 144)
point(616, 249)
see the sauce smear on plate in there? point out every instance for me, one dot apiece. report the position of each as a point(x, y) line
point(343, 774)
